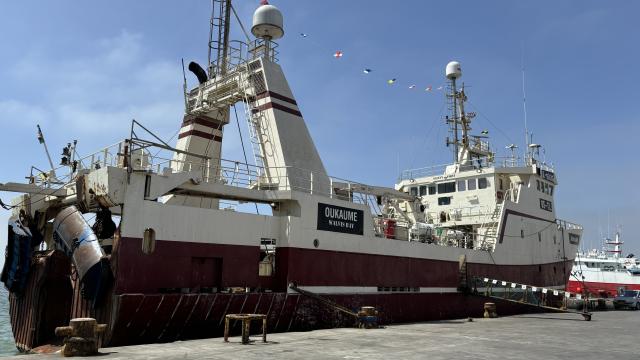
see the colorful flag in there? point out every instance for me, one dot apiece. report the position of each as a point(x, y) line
point(264, 2)
point(338, 54)
point(484, 132)
point(429, 88)
point(366, 71)
point(412, 86)
point(303, 34)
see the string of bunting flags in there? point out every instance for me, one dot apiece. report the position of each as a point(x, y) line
point(534, 289)
point(339, 54)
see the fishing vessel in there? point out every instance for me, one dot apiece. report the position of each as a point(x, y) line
point(181, 237)
point(606, 272)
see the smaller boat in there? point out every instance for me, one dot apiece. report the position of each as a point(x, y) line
point(606, 272)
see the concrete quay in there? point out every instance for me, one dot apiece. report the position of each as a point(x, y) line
point(609, 335)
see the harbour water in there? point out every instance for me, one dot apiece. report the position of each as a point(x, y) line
point(7, 347)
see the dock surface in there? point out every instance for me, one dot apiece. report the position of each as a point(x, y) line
point(610, 335)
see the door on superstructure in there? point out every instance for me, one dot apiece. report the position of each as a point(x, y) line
point(206, 274)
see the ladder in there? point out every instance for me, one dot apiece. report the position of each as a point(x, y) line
point(490, 229)
point(259, 131)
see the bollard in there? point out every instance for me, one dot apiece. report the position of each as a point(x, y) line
point(368, 317)
point(81, 337)
point(490, 310)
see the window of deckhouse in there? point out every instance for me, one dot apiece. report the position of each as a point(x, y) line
point(423, 190)
point(538, 184)
point(471, 184)
point(432, 189)
point(551, 190)
point(413, 191)
point(462, 185)
point(483, 183)
point(448, 187)
point(446, 200)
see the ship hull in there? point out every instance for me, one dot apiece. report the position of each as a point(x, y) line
point(608, 289)
point(169, 296)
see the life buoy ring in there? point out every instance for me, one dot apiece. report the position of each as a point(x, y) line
point(500, 195)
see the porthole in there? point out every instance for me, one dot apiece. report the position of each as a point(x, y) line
point(149, 241)
point(316, 243)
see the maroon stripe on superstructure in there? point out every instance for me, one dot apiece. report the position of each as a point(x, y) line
point(274, 95)
point(201, 134)
point(273, 105)
point(517, 213)
point(210, 123)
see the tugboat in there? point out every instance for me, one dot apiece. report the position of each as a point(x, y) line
point(606, 272)
point(173, 246)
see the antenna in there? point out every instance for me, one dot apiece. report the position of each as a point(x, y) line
point(524, 99)
point(219, 25)
point(453, 72)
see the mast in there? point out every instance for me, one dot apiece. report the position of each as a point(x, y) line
point(219, 25)
point(465, 145)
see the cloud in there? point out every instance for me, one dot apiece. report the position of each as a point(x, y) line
point(111, 82)
point(18, 112)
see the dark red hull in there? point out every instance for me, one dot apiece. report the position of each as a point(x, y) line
point(170, 294)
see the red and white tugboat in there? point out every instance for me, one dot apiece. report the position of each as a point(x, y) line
point(173, 249)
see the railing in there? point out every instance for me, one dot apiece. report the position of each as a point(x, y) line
point(143, 156)
point(497, 162)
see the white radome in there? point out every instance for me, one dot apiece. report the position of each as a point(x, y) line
point(267, 23)
point(453, 70)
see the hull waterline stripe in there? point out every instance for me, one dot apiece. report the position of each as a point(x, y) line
point(200, 134)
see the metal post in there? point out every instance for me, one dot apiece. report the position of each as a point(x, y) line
point(331, 188)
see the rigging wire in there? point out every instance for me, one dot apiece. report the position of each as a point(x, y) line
point(244, 152)
point(491, 122)
point(424, 140)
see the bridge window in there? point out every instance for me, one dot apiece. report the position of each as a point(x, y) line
point(432, 189)
point(471, 184)
point(413, 191)
point(447, 187)
point(423, 190)
point(483, 183)
point(462, 185)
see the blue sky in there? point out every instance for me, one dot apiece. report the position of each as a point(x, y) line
point(83, 69)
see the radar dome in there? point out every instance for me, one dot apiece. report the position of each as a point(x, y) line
point(267, 22)
point(453, 70)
